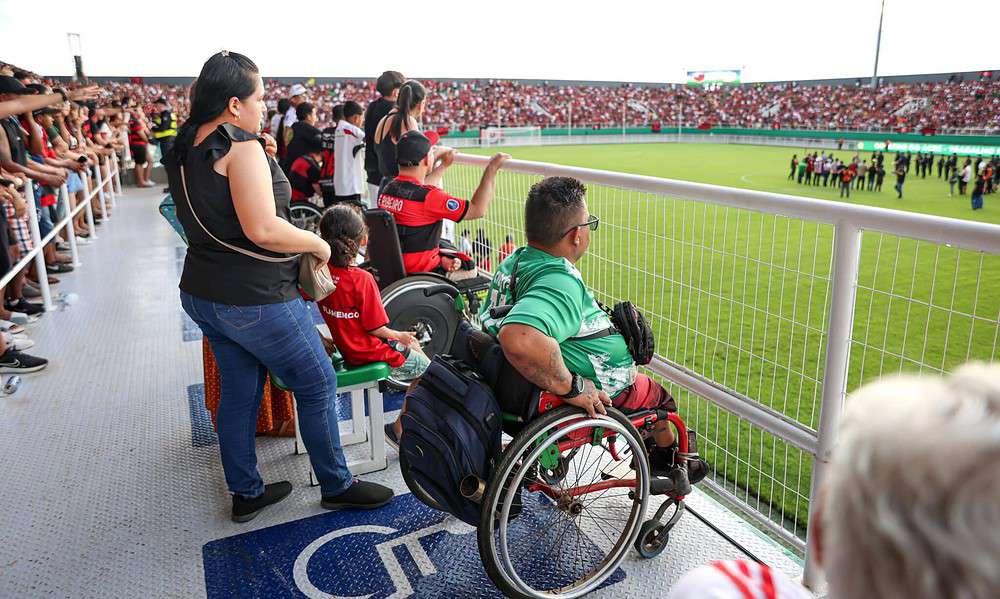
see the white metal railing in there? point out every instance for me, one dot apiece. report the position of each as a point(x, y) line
point(758, 300)
point(108, 178)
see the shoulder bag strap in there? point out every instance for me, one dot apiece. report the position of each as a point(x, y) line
point(240, 250)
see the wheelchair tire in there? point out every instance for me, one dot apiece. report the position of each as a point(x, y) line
point(433, 319)
point(305, 215)
point(415, 488)
point(537, 513)
point(652, 539)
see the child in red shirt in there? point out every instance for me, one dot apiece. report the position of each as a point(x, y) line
point(354, 312)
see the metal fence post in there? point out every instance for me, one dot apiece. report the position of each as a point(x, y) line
point(117, 185)
point(100, 189)
point(843, 292)
point(36, 240)
point(70, 230)
point(89, 210)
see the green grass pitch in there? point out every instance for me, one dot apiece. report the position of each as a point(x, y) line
point(742, 297)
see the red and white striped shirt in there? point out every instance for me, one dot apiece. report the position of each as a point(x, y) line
point(737, 579)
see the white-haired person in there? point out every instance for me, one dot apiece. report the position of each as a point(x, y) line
point(910, 508)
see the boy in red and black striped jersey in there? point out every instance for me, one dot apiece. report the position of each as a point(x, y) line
point(305, 172)
point(420, 206)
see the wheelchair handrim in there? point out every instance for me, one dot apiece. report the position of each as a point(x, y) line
point(595, 579)
point(313, 214)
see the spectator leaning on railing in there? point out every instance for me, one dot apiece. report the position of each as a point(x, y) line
point(27, 153)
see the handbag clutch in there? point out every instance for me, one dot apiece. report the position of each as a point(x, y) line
point(315, 280)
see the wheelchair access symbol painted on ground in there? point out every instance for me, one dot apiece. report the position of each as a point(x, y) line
point(403, 550)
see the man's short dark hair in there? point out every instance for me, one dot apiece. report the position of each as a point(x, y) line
point(303, 110)
point(352, 108)
point(553, 206)
point(388, 82)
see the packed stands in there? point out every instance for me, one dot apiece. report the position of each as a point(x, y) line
point(460, 105)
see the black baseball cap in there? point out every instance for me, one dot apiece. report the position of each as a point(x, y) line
point(9, 85)
point(311, 138)
point(46, 110)
point(413, 146)
point(160, 100)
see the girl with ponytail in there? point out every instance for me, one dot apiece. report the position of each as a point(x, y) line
point(239, 285)
point(404, 117)
point(354, 312)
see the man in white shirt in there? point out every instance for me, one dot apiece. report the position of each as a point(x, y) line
point(349, 142)
point(298, 96)
point(966, 177)
point(298, 93)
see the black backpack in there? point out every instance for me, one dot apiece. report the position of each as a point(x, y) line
point(451, 434)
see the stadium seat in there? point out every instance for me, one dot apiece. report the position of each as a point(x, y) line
point(363, 384)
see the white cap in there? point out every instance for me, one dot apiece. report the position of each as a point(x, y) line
point(298, 89)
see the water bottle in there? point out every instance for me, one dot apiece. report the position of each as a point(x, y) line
point(65, 300)
point(11, 385)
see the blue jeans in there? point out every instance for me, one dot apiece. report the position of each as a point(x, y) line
point(44, 218)
point(249, 341)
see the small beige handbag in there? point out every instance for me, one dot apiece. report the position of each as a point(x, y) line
point(315, 281)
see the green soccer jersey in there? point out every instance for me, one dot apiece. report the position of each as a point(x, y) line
point(552, 298)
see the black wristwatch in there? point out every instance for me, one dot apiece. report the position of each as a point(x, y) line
point(575, 387)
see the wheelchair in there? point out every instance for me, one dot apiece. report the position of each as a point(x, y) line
point(432, 318)
point(569, 495)
point(305, 214)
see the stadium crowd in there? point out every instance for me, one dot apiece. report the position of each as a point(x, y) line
point(468, 104)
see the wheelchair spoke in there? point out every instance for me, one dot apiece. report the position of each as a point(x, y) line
point(574, 523)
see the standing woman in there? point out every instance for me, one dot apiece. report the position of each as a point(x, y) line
point(404, 117)
point(227, 188)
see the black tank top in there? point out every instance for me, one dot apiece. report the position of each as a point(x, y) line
point(212, 271)
point(386, 150)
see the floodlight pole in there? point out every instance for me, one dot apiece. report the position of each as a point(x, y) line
point(76, 49)
point(878, 45)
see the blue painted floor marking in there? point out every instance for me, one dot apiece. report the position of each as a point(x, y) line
point(400, 550)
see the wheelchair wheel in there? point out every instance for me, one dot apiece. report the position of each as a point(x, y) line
point(567, 534)
point(305, 215)
point(432, 319)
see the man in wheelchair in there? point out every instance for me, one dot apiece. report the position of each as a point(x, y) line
point(420, 206)
point(552, 331)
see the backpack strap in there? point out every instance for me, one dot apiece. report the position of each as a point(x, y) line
point(230, 246)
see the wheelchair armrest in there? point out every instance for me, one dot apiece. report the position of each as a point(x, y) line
point(445, 288)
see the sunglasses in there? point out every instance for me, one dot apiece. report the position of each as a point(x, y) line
point(592, 222)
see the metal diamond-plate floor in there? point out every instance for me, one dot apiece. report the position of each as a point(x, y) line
point(111, 487)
